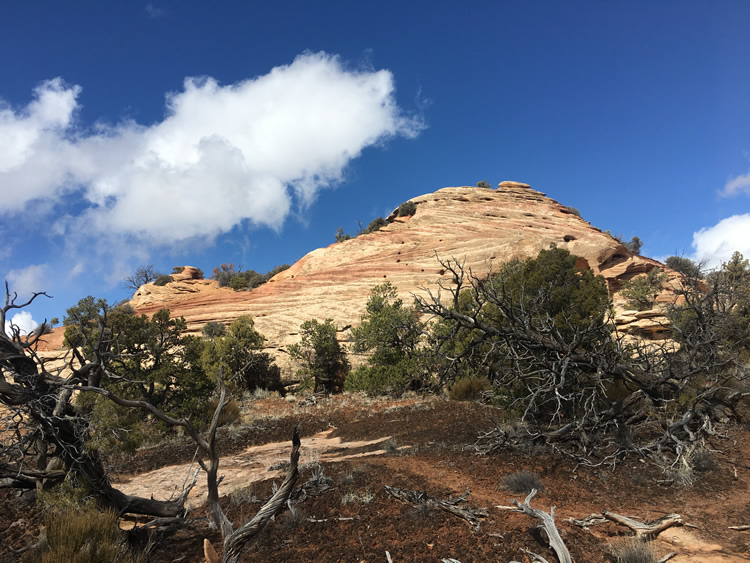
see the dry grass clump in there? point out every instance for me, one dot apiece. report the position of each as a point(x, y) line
point(634, 550)
point(230, 414)
point(82, 535)
point(469, 388)
point(523, 482)
point(365, 497)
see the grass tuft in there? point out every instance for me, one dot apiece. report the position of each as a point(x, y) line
point(523, 482)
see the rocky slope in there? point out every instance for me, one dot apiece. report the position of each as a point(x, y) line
point(474, 225)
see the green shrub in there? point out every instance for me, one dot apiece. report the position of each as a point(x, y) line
point(341, 236)
point(684, 266)
point(276, 270)
point(406, 209)
point(574, 211)
point(484, 184)
point(321, 355)
point(239, 357)
point(634, 245)
point(163, 280)
point(375, 225)
point(377, 380)
point(224, 274)
point(640, 292)
point(178, 269)
point(469, 388)
point(390, 332)
point(238, 283)
point(213, 329)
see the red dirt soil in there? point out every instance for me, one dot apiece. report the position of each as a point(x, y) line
point(431, 450)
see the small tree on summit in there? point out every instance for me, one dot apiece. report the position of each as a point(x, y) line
point(142, 276)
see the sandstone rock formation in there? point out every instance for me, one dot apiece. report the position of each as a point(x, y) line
point(478, 226)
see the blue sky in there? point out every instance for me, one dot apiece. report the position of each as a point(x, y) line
point(173, 133)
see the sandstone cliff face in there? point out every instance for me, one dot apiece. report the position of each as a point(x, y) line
point(475, 225)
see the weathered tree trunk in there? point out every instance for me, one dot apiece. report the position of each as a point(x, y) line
point(548, 522)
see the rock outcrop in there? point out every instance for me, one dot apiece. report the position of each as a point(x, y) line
point(477, 226)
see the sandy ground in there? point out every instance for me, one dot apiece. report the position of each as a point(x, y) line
point(361, 445)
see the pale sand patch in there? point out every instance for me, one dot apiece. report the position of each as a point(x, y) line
point(690, 548)
point(242, 469)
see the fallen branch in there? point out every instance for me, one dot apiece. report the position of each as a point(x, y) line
point(548, 523)
point(647, 529)
point(742, 528)
point(587, 521)
point(419, 498)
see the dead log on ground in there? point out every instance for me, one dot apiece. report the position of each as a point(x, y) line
point(420, 498)
point(548, 524)
point(645, 529)
point(587, 521)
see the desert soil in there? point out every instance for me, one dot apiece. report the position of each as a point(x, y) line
point(424, 444)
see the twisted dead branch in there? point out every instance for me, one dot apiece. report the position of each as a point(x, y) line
point(548, 525)
point(419, 498)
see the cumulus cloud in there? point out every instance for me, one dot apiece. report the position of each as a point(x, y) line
point(28, 280)
point(736, 185)
point(716, 244)
point(223, 154)
point(23, 321)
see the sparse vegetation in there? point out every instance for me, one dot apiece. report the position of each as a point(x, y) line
point(641, 291)
point(84, 536)
point(213, 329)
point(634, 245)
point(391, 446)
point(364, 497)
point(341, 236)
point(142, 276)
point(406, 209)
point(163, 280)
point(523, 482)
point(389, 334)
point(375, 225)
point(239, 352)
point(240, 280)
point(469, 388)
point(484, 184)
point(230, 413)
point(541, 332)
point(685, 266)
point(634, 550)
point(321, 356)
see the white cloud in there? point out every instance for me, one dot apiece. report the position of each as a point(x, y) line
point(221, 155)
point(735, 185)
point(23, 321)
point(28, 280)
point(716, 244)
point(34, 151)
point(154, 12)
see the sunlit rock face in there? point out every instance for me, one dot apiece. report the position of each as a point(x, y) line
point(477, 226)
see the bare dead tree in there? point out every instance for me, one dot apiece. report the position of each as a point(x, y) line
point(44, 433)
point(142, 275)
point(572, 381)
